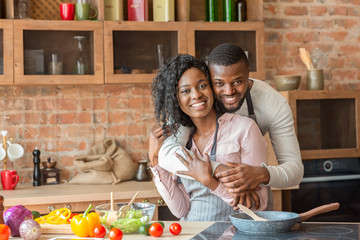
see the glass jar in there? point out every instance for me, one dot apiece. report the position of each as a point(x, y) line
point(81, 65)
point(55, 65)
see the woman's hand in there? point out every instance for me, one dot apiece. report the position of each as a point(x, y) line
point(156, 139)
point(198, 169)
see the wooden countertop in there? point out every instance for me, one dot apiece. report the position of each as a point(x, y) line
point(59, 193)
point(189, 230)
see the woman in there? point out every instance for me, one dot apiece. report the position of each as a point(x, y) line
point(182, 94)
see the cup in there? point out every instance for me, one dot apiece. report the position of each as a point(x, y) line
point(113, 10)
point(55, 65)
point(315, 79)
point(14, 151)
point(82, 11)
point(9, 179)
point(67, 11)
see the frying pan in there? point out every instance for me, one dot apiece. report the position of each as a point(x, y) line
point(277, 221)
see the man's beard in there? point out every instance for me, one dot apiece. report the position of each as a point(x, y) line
point(219, 106)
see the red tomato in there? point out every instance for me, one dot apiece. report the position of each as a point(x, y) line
point(115, 234)
point(5, 232)
point(99, 231)
point(175, 229)
point(156, 230)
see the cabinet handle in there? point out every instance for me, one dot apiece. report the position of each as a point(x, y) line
point(68, 206)
point(51, 208)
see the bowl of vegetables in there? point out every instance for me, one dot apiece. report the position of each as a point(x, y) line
point(127, 221)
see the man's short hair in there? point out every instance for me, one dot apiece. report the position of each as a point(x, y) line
point(227, 54)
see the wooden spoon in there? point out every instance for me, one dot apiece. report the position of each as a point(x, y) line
point(125, 208)
point(112, 213)
point(250, 213)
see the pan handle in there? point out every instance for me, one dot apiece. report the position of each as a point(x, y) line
point(318, 210)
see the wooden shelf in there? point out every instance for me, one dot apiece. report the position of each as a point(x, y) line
point(49, 36)
point(202, 37)
point(327, 122)
point(133, 45)
point(117, 48)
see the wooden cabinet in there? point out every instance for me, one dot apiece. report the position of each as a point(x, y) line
point(36, 41)
point(118, 51)
point(327, 123)
point(133, 49)
point(202, 37)
point(6, 52)
point(131, 53)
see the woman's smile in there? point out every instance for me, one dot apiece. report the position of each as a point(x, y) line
point(195, 95)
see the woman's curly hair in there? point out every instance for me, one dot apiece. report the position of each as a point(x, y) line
point(164, 90)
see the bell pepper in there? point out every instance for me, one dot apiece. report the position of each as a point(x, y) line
point(83, 225)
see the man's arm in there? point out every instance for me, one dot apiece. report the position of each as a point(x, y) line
point(288, 173)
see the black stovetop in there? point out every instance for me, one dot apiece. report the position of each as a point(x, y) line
point(307, 231)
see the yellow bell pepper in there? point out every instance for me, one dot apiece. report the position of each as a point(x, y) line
point(83, 225)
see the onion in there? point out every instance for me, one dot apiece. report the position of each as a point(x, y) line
point(30, 230)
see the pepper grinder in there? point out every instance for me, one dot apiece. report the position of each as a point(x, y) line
point(37, 173)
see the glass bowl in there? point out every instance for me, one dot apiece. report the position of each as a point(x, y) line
point(129, 221)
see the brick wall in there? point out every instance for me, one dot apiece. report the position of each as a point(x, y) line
point(331, 25)
point(65, 121)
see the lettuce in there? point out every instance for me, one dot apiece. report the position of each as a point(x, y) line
point(132, 221)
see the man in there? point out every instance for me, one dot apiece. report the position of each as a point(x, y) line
point(236, 93)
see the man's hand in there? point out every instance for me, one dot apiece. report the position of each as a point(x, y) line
point(156, 139)
point(247, 198)
point(198, 169)
point(243, 177)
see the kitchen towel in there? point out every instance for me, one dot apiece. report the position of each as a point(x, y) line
point(105, 163)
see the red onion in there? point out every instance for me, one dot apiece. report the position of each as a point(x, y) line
point(30, 230)
point(14, 216)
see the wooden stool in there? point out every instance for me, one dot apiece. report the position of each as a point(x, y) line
point(1, 209)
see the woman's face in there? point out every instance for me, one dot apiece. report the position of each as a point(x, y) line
point(194, 93)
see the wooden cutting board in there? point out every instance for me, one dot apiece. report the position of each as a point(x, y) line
point(56, 229)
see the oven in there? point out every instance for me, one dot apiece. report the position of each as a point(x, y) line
point(326, 181)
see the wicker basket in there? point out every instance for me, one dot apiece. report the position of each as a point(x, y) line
point(46, 9)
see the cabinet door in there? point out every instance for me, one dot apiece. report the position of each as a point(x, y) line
point(202, 37)
point(6, 52)
point(50, 52)
point(133, 50)
point(327, 122)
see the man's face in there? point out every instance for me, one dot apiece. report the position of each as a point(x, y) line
point(230, 84)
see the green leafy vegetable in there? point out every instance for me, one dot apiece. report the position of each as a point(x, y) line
point(133, 220)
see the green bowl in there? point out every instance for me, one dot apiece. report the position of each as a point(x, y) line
point(287, 82)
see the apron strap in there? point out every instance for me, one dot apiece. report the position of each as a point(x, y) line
point(213, 149)
point(250, 106)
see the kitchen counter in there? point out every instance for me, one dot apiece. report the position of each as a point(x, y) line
point(225, 230)
point(78, 197)
point(189, 230)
